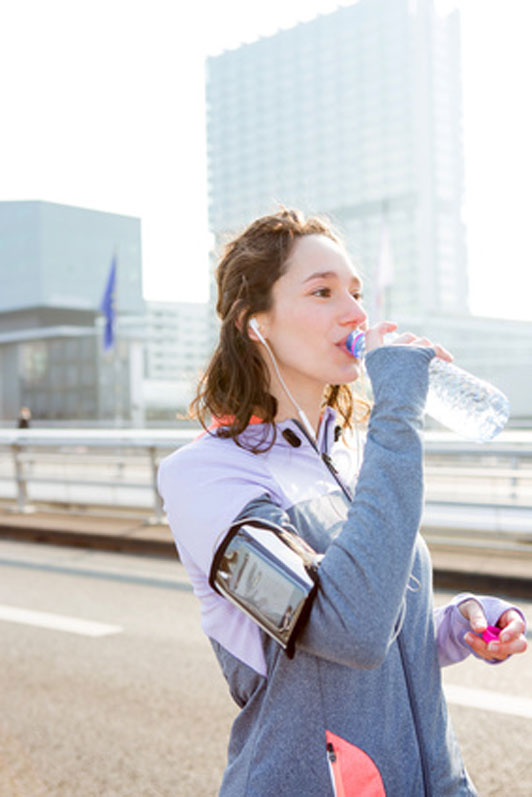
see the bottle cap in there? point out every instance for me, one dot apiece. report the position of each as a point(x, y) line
point(356, 344)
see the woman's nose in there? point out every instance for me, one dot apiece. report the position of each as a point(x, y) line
point(354, 312)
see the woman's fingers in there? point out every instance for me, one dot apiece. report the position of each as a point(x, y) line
point(442, 353)
point(477, 644)
point(496, 649)
point(512, 625)
point(405, 338)
point(375, 337)
point(472, 611)
point(409, 339)
point(510, 641)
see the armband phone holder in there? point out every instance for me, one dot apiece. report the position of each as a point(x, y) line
point(270, 573)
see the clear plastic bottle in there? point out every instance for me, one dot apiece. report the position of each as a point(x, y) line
point(469, 406)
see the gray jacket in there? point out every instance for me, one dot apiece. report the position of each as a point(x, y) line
point(361, 700)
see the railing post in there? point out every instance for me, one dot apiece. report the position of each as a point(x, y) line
point(157, 500)
point(20, 479)
point(514, 482)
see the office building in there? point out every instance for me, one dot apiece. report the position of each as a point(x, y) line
point(176, 339)
point(177, 349)
point(54, 265)
point(357, 115)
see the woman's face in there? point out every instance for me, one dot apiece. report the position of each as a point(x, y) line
point(316, 304)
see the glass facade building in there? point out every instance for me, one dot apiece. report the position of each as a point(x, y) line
point(357, 115)
point(58, 376)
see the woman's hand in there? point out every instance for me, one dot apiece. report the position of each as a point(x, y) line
point(375, 337)
point(511, 639)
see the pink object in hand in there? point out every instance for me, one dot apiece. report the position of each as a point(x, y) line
point(491, 633)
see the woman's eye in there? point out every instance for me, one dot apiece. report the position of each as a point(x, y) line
point(323, 293)
point(358, 296)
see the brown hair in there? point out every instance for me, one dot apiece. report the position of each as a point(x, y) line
point(236, 382)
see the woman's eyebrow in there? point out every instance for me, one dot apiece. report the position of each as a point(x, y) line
point(328, 275)
point(321, 274)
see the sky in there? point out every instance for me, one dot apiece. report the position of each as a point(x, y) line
point(102, 107)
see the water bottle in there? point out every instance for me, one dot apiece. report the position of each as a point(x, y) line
point(469, 406)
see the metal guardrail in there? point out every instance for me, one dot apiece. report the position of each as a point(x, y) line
point(118, 468)
point(31, 449)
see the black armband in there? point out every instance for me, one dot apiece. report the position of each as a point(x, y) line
point(270, 573)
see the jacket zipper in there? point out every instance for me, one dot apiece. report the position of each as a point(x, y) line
point(330, 464)
point(326, 459)
point(334, 771)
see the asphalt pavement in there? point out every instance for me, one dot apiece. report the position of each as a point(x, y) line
point(109, 688)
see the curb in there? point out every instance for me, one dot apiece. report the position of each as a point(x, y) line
point(121, 542)
point(445, 577)
point(499, 584)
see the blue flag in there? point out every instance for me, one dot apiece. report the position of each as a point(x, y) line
point(108, 307)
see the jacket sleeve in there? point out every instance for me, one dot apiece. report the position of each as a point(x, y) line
point(364, 573)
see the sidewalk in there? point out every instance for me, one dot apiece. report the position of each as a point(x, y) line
point(111, 533)
point(475, 570)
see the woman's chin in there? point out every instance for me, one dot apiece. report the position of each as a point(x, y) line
point(346, 375)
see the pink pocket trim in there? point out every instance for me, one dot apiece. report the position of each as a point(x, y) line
point(355, 773)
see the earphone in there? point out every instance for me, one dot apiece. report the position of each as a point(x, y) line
point(253, 323)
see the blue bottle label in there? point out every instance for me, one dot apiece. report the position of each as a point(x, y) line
point(356, 344)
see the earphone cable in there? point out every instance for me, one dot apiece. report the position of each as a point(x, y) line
point(300, 412)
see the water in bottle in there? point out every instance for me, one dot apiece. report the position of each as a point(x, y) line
point(469, 406)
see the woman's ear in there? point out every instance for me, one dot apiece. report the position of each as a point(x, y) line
point(239, 321)
point(254, 330)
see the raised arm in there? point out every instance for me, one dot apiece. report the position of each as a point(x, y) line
point(364, 574)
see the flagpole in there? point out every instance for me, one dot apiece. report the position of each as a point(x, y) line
point(108, 308)
point(116, 355)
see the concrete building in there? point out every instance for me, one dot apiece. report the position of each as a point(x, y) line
point(176, 339)
point(54, 263)
point(358, 115)
point(177, 349)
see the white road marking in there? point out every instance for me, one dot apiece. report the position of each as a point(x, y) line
point(57, 622)
point(489, 701)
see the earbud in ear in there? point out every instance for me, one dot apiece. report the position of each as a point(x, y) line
point(253, 323)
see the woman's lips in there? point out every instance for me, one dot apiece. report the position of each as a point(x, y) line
point(341, 343)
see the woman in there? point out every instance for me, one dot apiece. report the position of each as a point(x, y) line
point(315, 585)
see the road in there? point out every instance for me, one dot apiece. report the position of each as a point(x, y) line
point(108, 686)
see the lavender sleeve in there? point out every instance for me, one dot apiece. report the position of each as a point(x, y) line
point(451, 626)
